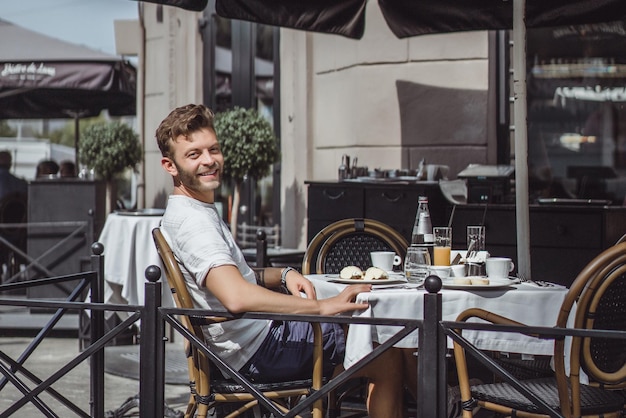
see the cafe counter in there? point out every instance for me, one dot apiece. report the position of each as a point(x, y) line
point(563, 238)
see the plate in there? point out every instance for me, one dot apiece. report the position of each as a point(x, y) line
point(493, 284)
point(393, 278)
point(141, 212)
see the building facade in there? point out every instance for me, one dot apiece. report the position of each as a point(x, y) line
point(387, 102)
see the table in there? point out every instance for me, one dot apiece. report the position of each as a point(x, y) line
point(523, 302)
point(128, 250)
point(276, 256)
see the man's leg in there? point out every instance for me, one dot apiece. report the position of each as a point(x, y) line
point(385, 390)
point(410, 370)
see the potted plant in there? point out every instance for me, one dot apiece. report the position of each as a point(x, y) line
point(249, 147)
point(109, 148)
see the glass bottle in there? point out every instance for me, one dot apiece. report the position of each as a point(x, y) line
point(423, 228)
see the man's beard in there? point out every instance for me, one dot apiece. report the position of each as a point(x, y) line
point(191, 181)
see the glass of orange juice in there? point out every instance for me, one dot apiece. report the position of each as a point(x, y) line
point(443, 243)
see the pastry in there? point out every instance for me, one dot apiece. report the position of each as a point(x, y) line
point(375, 273)
point(351, 272)
point(461, 280)
point(480, 281)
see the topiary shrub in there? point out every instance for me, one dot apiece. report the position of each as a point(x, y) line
point(109, 148)
point(249, 147)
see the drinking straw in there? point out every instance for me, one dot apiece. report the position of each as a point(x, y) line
point(482, 223)
point(451, 216)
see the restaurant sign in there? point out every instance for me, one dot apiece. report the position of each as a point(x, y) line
point(27, 72)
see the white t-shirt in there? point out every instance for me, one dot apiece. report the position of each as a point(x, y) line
point(201, 241)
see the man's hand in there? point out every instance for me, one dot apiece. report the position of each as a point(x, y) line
point(297, 283)
point(345, 301)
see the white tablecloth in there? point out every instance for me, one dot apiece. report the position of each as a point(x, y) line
point(532, 305)
point(128, 250)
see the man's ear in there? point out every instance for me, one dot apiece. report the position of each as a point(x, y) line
point(169, 166)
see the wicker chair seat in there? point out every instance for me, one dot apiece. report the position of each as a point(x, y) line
point(222, 385)
point(592, 400)
point(537, 368)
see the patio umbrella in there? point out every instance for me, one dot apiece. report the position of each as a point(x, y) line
point(45, 78)
point(418, 17)
point(408, 18)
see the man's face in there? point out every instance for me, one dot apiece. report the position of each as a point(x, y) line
point(197, 164)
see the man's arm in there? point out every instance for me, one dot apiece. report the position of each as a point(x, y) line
point(237, 295)
point(273, 277)
point(268, 277)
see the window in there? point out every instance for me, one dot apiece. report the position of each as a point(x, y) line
point(576, 89)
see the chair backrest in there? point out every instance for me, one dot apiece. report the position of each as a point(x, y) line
point(246, 235)
point(599, 297)
point(175, 278)
point(349, 242)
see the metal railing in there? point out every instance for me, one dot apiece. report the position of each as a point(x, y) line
point(433, 333)
point(65, 231)
point(25, 380)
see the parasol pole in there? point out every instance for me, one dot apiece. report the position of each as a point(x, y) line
point(521, 138)
point(76, 139)
point(76, 115)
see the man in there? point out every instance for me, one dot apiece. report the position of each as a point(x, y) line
point(219, 278)
point(9, 184)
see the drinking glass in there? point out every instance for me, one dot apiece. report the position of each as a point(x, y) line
point(476, 235)
point(416, 264)
point(443, 242)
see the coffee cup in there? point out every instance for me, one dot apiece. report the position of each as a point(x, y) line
point(385, 259)
point(498, 267)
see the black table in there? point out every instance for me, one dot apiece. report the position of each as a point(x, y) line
point(277, 256)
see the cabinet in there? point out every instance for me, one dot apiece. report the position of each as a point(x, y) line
point(393, 203)
point(563, 239)
point(65, 216)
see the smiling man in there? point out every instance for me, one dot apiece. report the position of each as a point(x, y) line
point(219, 278)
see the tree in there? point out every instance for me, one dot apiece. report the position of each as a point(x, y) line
point(110, 148)
point(249, 147)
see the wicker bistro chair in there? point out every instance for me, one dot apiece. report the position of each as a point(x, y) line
point(349, 242)
point(342, 243)
point(208, 387)
point(598, 296)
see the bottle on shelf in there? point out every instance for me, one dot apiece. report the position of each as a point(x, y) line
point(423, 228)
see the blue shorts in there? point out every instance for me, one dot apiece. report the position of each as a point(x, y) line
point(287, 352)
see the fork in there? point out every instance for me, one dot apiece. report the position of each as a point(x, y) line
point(523, 279)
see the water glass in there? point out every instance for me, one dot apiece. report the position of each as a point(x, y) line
point(476, 234)
point(416, 264)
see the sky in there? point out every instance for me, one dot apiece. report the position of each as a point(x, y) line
point(83, 22)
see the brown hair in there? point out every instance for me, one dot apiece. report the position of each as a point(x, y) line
point(184, 121)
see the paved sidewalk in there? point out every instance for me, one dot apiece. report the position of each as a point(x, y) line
point(52, 355)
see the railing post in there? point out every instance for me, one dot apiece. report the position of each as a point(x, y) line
point(152, 350)
point(97, 331)
point(431, 365)
point(261, 248)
